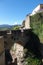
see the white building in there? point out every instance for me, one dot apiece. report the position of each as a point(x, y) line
point(38, 9)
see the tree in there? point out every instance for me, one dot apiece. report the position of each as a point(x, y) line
point(16, 27)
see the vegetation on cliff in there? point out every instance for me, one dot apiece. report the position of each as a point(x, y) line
point(37, 25)
point(37, 28)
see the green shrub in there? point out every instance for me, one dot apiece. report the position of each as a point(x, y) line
point(32, 61)
point(37, 24)
point(31, 58)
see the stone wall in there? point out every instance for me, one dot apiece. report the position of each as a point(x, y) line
point(2, 54)
point(27, 22)
point(1, 44)
point(2, 59)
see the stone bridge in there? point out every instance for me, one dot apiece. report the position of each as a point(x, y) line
point(16, 41)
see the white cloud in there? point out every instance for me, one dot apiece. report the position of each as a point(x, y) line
point(15, 23)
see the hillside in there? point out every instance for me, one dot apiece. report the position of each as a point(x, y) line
point(5, 27)
point(9, 27)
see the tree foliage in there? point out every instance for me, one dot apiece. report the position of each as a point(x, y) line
point(15, 27)
point(37, 24)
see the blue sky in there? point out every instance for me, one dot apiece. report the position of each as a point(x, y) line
point(14, 11)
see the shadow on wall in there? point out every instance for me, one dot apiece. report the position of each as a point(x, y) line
point(33, 45)
point(8, 57)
